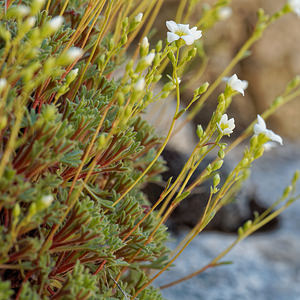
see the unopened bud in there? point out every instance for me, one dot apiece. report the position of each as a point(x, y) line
point(216, 180)
point(16, 210)
point(47, 200)
point(3, 84)
point(199, 131)
point(140, 84)
point(55, 23)
point(138, 18)
point(224, 13)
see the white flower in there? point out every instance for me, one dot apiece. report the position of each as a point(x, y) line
point(140, 84)
point(260, 127)
point(47, 200)
point(55, 23)
point(236, 84)
point(226, 126)
point(149, 58)
point(145, 43)
point(74, 53)
point(138, 18)
point(295, 6)
point(224, 13)
point(182, 31)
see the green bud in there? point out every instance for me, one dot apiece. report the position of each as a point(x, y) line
point(247, 225)
point(258, 153)
point(217, 165)
point(156, 78)
point(192, 53)
point(295, 177)
point(216, 180)
point(203, 88)
point(171, 57)
point(240, 231)
point(71, 76)
point(158, 46)
point(164, 95)
point(168, 87)
point(101, 141)
point(32, 210)
point(221, 154)
point(3, 122)
point(287, 191)
point(209, 168)
point(199, 131)
point(16, 211)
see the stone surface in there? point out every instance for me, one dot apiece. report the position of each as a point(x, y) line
point(266, 265)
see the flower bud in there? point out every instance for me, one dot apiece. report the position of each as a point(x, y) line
point(224, 13)
point(217, 165)
point(139, 85)
point(144, 47)
point(71, 76)
point(138, 18)
point(3, 84)
point(52, 26)
point(47, 200)
point(158, 46)
point(101, 141)
point(203, 88)
point(70, 56)
point(16, 211)
point(199, 131)
point(216, 180)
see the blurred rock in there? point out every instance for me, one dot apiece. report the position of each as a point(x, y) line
point(275, 60)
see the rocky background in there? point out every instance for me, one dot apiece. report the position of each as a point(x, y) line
point(274, 61)
point(266, 265)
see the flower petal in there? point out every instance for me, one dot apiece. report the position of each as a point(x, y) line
point(172, 26)
point(261, 122)
point(184, 28)
point(171, 37)
point(274, 137)
point(189, 39)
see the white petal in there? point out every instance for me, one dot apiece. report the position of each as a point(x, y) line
point(189, 39)
point(224, 119)
point(184, 28)
point(261, 122)
point(171, 37)
point(274, 137)
point(244, 84)
point(172, 26)
point(231, 123)
point(197, 34)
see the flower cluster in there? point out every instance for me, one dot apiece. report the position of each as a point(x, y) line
point(182, 31)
